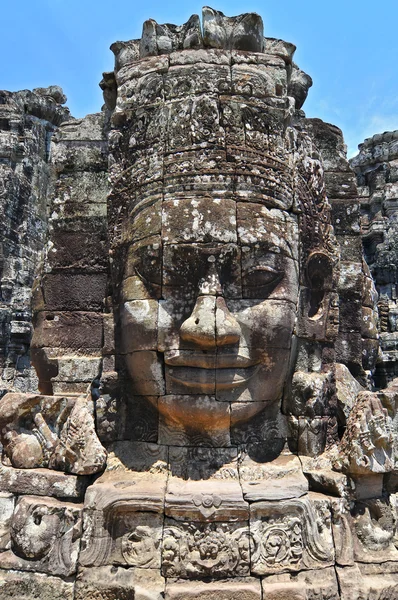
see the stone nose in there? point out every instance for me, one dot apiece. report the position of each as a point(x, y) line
point(210, 324)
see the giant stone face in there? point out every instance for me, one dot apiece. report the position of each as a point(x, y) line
point(205, 233)
point(221, 282)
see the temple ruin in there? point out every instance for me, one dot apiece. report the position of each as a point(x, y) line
point(199, 333)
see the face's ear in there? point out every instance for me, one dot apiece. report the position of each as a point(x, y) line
point(318, 302)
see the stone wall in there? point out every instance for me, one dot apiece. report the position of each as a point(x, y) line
point(376, 169)
point(27, 123)
point(69, 293)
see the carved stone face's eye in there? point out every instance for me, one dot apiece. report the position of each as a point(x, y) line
point(259, 281)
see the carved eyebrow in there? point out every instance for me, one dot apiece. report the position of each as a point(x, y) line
point(266, 268)
point(283, 248)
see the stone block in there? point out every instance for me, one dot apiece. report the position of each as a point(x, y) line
point(348, 349)
point(350, 247)
point(307, 585)
point(259, 80)
point(263, 433)
point(371, 526)
point(117, 583)
point(125, 456)
point(123, 520)
point(148, 373)
point(145, 220)
point(20, 585)
point(199, 78)
point(109, 335)
point(42, 482)
point(246, 588)
point(210, 500)
point(144, 259)
point(7, 502)
point(90, 156)
point(139, 320)
point(341, 185)
point(77, 368)
point(184, 265)
point(79, 243)
point(203, 463)
point(76, 330)
point(186, 220)
point(80, 189)
point(141, 418)
point(276, 480)
point(199, 420)
point(345, 217)
point(355, 584)
point(286, 537)
point(72, 292)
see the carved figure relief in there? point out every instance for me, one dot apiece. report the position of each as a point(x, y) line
point(289, 535)
point(57, 433)
point(191, 550)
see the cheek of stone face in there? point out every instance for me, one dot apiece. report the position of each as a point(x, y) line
point(173, 311)
point(145, 368)
point(267, 329)
point(138, 323)
point(264, 324)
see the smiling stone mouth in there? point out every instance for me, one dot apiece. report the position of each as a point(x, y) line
point(207, 361)
point(207, 379)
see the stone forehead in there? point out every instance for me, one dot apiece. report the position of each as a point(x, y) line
point(203, 220)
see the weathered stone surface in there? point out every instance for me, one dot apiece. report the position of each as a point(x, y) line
point(290, 535)
point(50, 431)
point(246, 588)
point(277, 480)
point(196, 550)
point(27, 122)
point(213, 500)
point(307, 585)
point(202, 304)
point(123, 520)
point(45, 536)
point(115, 583)
point(354, 583)
point(7, 503)
point(20, 585)
point(42, 482)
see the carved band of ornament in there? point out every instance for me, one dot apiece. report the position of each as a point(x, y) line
point(253, 156)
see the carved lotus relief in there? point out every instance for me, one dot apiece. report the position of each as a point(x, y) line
point(207, 503)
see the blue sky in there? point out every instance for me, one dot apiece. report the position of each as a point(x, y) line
point(350, 49)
